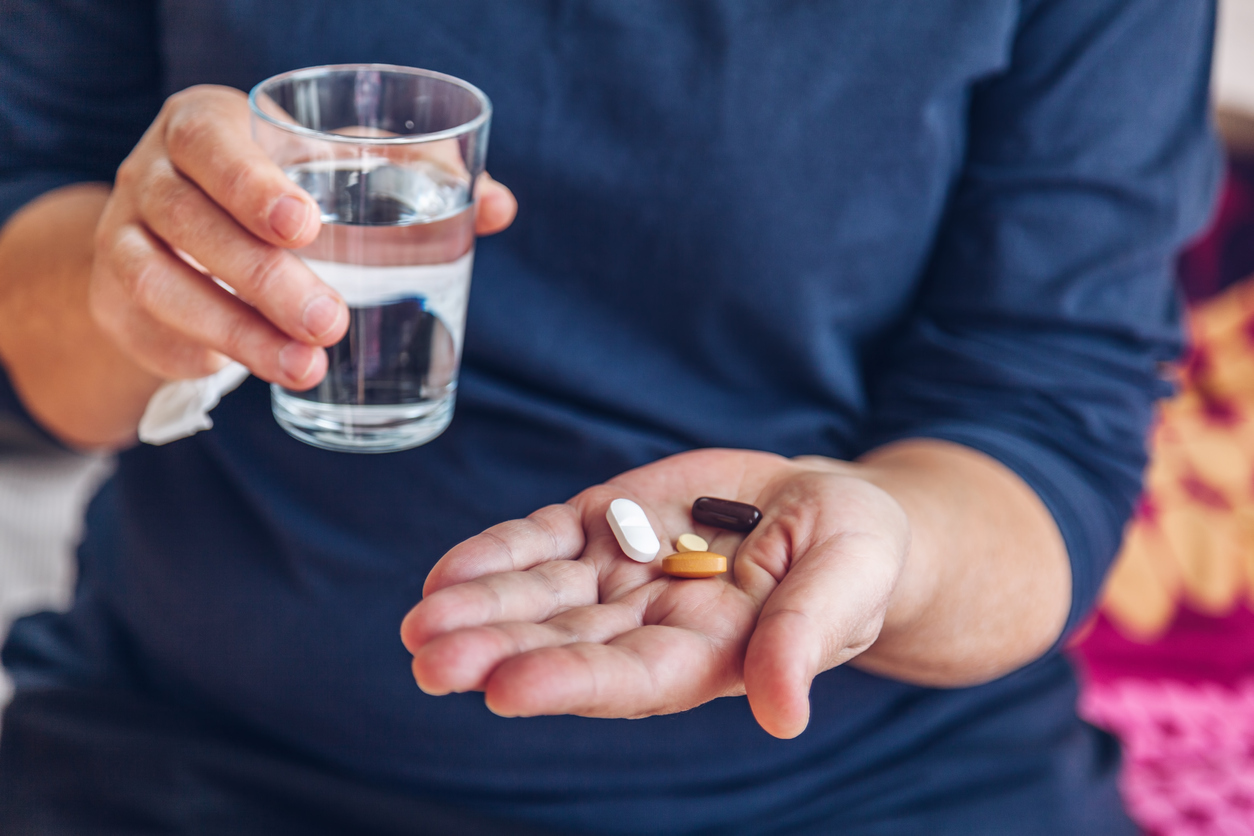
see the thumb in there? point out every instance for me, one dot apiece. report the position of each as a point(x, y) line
point(828, 608)
point(496, 207)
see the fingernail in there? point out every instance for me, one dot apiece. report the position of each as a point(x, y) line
point(321, 315)
point(289, 216)
point(296, 359)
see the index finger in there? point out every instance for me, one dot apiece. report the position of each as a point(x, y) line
point(208, 139)
point(555, 532)
point(652, 669)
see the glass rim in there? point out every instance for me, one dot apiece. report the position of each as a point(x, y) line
point(485, 105)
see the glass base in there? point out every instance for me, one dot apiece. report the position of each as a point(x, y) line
point(346, 428)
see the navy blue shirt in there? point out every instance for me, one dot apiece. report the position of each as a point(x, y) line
point(804, 227)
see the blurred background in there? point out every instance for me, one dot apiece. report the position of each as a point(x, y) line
point(43, 491)
point(1167, 663)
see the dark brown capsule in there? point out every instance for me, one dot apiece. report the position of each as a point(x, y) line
point(724, 513)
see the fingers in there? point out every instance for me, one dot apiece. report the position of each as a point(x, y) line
point(650, 670)
point(207, 134)
point(271, 279)
point(140, 272)
point(535, 595)
point(158, 349)
point(464, 659)
point(211, 144)
point(495, 207)
point(661, 648)
point(198, 184)
point(812, 585)
point(555, 532)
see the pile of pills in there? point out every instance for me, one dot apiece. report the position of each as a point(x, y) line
point(692, 558)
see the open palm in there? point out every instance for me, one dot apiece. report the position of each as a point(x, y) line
point(547, 616)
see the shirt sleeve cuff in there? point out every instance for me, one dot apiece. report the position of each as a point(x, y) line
point(1087, 516)
point(18, 430)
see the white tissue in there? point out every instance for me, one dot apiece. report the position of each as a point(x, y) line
point(181, 407)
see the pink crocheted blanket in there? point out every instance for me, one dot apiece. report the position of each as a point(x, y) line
point(1184, 705)
point(1184, 709)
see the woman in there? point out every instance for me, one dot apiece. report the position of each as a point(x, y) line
point(924, 252)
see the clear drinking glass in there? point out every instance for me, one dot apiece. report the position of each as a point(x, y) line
point(391, 155)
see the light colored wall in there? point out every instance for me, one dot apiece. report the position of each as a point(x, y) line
point(42, 497)
point(1233, 79)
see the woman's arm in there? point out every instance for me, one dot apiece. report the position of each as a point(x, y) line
point(929, 562)
point(72, 378)
point(987, 584)
point(103, 308)
point(1006, 419)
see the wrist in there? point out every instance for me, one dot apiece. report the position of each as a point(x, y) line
point(986, 587)
point(916, 582)
point(70, 376)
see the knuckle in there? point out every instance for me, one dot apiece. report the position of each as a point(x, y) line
point(204, 91)
point(147, 282)
point(105, 304)
point(237, 335)
point(200, 361)
point(103, 239)
point(187, 98)
point(139, 273)
point(553, 523)
point(175, 101)
point(157, 194)
point(121, 255)
point(499, 537)
point(172, 206)
point(239, 182)
point(181, 360)
point(187, 130)
point(129, 173)
point(267, 272)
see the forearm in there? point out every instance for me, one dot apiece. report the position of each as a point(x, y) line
point(70, 375)
point(986, 586)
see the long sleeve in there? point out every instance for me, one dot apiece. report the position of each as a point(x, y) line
point(79, 83)
point(1049, 308)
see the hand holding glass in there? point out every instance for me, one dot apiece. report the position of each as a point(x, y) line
point(391, 155)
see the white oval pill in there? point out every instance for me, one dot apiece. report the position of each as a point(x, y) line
point(632, 530)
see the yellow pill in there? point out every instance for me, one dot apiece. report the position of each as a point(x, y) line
point(694, 565)
point(691, 543)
